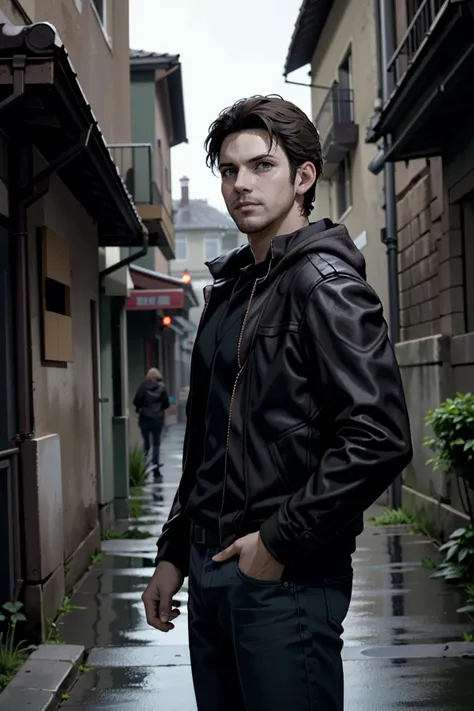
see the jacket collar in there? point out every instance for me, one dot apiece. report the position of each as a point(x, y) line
point(230, 264)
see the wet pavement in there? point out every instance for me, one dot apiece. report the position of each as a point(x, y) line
point(403, 637)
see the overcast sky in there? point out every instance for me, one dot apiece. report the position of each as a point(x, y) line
point(226, 53)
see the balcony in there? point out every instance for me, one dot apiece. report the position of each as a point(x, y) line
point(135, 162)
point(429, 79)
point(337, 130)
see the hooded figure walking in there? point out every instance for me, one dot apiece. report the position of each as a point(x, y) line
point(151, 401)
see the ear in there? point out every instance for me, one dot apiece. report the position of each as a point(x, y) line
point(305, 177)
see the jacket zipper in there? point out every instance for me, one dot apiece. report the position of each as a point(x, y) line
point(240, 367)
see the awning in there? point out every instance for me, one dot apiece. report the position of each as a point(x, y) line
point(307, 33)
point(147, 279)
point(41, 102)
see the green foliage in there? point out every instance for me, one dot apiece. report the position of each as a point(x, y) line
point(53, 635)
point(67, 607)
point(136, 508)
point(392, 517)
point(467, 637)
point(96, 559)
point(452, 442)
point(137, 467)
point(131, 533)
point(469, 606)
point(458, 563)
point(12, 653)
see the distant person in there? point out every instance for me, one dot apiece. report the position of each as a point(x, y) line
point(296, 424)
point(151, 401)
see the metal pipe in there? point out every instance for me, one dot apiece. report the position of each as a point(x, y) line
point(19, 175)
point(127, 260)
point(308, 86)
point(386, 45)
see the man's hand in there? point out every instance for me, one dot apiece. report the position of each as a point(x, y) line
point(254, 559)
point(158, 596)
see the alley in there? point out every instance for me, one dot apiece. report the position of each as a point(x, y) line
point(403, 646)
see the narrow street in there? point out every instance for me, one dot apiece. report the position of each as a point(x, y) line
point(403, 648)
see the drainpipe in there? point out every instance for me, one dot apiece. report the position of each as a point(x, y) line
point(127, 260)
point(385, 31)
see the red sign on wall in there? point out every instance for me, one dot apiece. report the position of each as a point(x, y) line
point(154, 299)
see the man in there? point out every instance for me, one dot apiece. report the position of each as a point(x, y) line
point(296, 424)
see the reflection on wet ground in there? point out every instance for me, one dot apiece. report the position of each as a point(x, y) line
point(397, 612)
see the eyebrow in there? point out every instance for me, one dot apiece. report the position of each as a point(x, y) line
point(251, 160)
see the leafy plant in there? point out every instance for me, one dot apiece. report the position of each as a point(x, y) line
point(392, 517)
point(467, 637)
point(469, 606)
point(452, 424)
point(67, 607)
point(137, 466)
point(458, 563)
point(12, 653)
point(136, 508)
point(96, 559)
point(53, 635)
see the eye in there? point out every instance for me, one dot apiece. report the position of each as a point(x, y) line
point(227, 172)
point(264, 164)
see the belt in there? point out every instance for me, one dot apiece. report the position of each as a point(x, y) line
point(205, 536)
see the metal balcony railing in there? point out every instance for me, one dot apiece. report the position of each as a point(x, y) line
point(417, 31)
point(337, 109)
point(135, 164)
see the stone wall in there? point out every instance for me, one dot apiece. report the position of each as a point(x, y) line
point(433, 369)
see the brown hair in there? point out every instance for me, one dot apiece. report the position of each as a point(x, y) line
point(285, 123)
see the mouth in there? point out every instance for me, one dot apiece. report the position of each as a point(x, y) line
point(246, 205)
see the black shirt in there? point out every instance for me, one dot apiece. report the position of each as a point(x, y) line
point(216, 354)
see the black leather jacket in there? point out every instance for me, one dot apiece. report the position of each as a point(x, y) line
point(318, 402)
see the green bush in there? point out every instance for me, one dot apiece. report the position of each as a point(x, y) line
point(452, 441)
point(137, 466)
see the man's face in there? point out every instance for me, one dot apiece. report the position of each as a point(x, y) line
point(256, 183)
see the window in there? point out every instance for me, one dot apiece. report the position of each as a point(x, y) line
point(346, 104)
point(211, 247)
point(56, 298)
point(343, 187)
point(100, 9)
point(181, 247)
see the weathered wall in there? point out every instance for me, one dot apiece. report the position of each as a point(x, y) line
point(63, 395)
point(352, 25)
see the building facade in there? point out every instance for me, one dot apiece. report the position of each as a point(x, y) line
point(62, 204)
point(202, 234)
point(426, 126)
point(337, 39)
point(157, 125)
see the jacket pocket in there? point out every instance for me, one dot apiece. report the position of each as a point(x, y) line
point(295, 454)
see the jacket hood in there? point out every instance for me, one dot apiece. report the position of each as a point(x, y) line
point(322, 237)
point(153, 384)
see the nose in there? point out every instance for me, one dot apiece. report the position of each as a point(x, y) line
point(243, 181)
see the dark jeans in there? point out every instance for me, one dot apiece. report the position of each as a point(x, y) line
point(151, 432)
point(265, 646)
